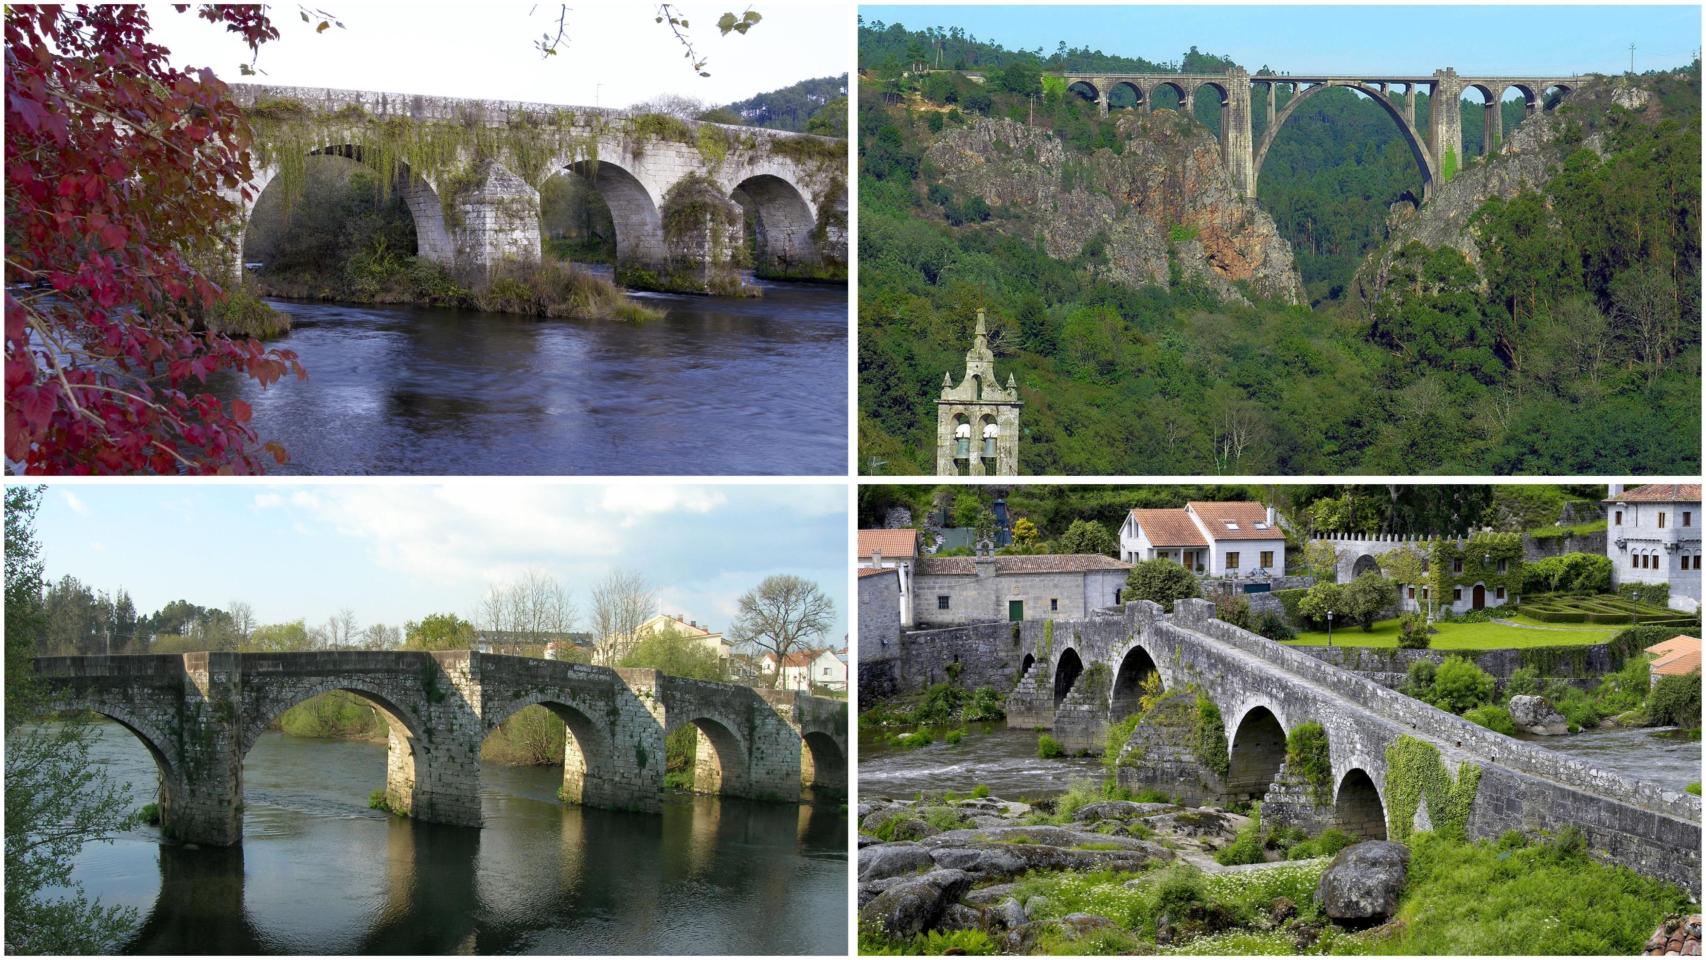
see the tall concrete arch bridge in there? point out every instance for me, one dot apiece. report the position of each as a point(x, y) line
point(469, 170)
point(1236, 88)
point(199, 714)
point(1076, 677)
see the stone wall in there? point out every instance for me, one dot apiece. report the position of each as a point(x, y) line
point(1579, 665)
point(200, 713)
point(979, 598)
point(1593, 543)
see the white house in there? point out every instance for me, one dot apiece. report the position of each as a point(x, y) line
point(1652, 535)
point(1212, 539)
point(897, 549)
point(804, 669)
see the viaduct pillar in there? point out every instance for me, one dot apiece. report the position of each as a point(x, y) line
point(1445, 121)
point(1236, 140)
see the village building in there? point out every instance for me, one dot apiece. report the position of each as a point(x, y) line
point(977, 422)
point(1232, 539)
point(1653, 537)
point(1677, 657)
point(949, 591)
point(892, 549)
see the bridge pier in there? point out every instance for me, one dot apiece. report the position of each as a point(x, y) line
point(1236, 139)
point(1445, 121)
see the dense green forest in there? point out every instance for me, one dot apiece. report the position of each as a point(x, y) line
point(1580, 356)
point(818, 106)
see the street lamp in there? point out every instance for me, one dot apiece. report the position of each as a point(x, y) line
point(1329, 628)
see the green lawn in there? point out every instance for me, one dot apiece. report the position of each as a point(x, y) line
point(1471, 636)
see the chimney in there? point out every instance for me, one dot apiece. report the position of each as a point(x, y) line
point(1613, 490)
point(876, 557)
point(1270, 515)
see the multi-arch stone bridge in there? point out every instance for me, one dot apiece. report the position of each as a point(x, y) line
point(200, 713)
point(1236, 88)
point(1075, 677)
point(679, 191)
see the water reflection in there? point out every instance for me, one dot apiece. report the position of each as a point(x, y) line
point(719, 386)
point(320, 873)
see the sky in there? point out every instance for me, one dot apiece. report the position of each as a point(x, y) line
point(1507, 40)
point(616, 55)
point(398, 551)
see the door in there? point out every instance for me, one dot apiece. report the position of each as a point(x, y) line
point(1015, 610)
point(1480, 597)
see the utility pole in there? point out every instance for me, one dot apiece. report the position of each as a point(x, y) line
point(1033, 120)
point(1631, 59)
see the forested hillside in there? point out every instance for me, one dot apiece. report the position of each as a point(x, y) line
point(811, 106)
point(1566, 343)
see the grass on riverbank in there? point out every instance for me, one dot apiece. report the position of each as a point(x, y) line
point(1470, 636)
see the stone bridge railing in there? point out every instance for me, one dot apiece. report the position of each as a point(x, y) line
point(199, 714)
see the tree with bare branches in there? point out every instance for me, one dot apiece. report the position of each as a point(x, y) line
point(534, 606)
point(782, 613)
point(620, 603)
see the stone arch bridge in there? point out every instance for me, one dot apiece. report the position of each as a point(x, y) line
point(198, 714)
point(1236, 88)
point(1076, 677)
point(679, 192)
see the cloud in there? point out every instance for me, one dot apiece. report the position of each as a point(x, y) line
point(74, 502)
point(267, 501)
point(634, 502)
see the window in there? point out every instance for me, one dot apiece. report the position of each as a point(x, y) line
point(941, 602)
point(1053, 604)
point(1502, 564)
point(1499, 593)
point(1232, 560)
point(1267, 558)
point(1661, 519)
point(1688, 518)
point(1412, 593)
point(1619, 520)
point(1456, 564)
point(1456, 593)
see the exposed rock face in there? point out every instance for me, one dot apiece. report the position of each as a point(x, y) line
point(1363, 881)
point(1537, 716)
point(1526, 160)
point(1166, 195)
point(908, 908)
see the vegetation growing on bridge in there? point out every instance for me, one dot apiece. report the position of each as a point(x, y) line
point(1415, 774)
point(1308, 758)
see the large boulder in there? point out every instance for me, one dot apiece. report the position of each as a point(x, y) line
point(1537, 716)
point(1118, 810)
point(892, 860)
point(1363, 881)
point(911, 907)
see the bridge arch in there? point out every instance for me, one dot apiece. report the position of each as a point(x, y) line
point(1257, 748)
point(720, 758)
point(1358, 808)
point(1135, 666)
point(1085, 89)
point(586, 743)
point(1179, 93)
point(1120, 89)
point(1548, 100)
point(822, 761)
point(782, 221)
point(1413, 138)
point(1067, 666)
point(1026, 664)
point(634, 211)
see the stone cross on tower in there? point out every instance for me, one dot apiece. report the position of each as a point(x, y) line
point(977, 422)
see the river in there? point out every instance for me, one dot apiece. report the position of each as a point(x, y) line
point(320, 873)
point(719, 386)
point(1006, 761)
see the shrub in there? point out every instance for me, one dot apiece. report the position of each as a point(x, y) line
point(1494, 718)
point(150, 813)
point(1245, 848)
point(1160, 580)
point(1414, 633)
point(1273, 626)
point(1460, 685)
point(1419, 680)
point(955, 736)
point(1694, 788)
point(1523, 681)
point(1368, 598)
point(1329, 843)
point(912, 741)
point(1180, 889)
point(1118, 734)
point(1319, 600)
point(980, 792)
point(1675, 701)
point(1048, 747)
point(1657, 594)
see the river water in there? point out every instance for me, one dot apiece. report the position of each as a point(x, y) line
point(719, 386)
point(1007, 762)
point(318, 872)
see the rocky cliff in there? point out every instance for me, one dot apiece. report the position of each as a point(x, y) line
point(1527, 159)
point(1164, 200)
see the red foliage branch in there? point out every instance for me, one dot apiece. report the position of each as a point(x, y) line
point(122, 175)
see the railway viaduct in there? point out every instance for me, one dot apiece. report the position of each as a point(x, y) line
point(200, 713)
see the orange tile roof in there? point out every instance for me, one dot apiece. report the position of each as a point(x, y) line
point(1027, 563)
point(892, 543)
point(1676, 644)
point(876, 571)
point(1245, 514)
point(1677, 664)
point(1659, 493)
point(1169, 528)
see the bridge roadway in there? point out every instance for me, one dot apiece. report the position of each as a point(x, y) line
point(200, 713)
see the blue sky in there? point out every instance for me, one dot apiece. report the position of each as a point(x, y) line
point(397, 551)
point(1349, 39)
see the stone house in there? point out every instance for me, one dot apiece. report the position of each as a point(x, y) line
point(1677, 657)
point(895, 549)
point(1236, 539)
point(949, 591)
point(881, 609)
point(1653, 537)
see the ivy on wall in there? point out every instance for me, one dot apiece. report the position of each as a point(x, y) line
point(1481, 555)
point(1414, 773)
point(1212, 748)
point(1307, 757)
